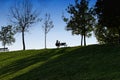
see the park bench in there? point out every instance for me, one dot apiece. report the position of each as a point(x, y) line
point(4, 49)
point(58, 44)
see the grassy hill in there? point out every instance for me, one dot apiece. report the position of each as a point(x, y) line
point(95, 62)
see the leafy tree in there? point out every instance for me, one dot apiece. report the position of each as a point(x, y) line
point(23, 15)
point(106, 35)
point(81, 20)
point(7, 35)
point(108, 14)
point(48, 25)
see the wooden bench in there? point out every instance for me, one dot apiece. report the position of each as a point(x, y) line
point(58, 44)
point(4, 49)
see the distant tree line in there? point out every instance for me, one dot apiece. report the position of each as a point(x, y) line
point(103, 19)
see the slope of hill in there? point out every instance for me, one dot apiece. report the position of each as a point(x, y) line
point(95, 62)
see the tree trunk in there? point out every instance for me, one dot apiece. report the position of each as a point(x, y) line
point(84, 40)
point(23, 40)
point(119, 36)
point(45, 40)
point(84, 36)
point(81, 40)
point(4, 47)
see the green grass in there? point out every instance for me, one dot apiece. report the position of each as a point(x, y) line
point(95, 62)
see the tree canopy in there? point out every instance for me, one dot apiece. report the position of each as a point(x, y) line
point(7, 35)
point(108, 15)
point(23, 16)
point(81, 20)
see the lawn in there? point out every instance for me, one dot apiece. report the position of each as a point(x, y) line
point(94, 62)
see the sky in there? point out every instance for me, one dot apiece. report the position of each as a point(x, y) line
point(34, 38)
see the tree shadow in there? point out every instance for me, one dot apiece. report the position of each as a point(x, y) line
point(78, 63)
point(28, 61)
point(63, 67)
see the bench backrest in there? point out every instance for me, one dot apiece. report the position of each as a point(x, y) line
point(4, 49)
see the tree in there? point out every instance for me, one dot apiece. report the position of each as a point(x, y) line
point(23, 15)
point(7, 35)
point(109, 19)
point(48, 25)
point(106, 35)
point(81, 20)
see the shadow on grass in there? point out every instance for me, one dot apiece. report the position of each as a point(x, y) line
point(28, 61)
point(63, 67)
point(65, 64)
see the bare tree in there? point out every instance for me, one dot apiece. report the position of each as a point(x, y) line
point(48, 25)
point(23, 16)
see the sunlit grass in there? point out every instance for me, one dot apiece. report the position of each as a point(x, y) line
point(95, 62)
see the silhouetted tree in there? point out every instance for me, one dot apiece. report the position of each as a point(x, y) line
point(108, 14)
point(7, 35)
point(106, 35)
point(81, 20)
point(23, 15)
point(48, 25)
